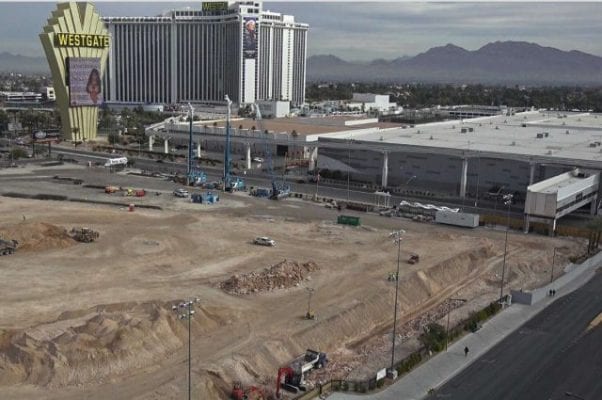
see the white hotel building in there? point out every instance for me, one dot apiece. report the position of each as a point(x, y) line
point(200, 55)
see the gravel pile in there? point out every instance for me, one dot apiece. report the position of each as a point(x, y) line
point(283, 275)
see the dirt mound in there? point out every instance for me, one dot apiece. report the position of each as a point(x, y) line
point(37, 236)
point(97, 344)
point(283, 275)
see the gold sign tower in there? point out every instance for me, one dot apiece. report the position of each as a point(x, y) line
point(76, 43)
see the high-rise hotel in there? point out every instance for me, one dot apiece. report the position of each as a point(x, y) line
point(201, 55)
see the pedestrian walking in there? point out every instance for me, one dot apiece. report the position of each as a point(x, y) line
point(466, 351)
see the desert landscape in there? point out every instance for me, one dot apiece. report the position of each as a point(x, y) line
point(96, 318)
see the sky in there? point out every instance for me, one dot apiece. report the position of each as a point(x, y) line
point(359, 31)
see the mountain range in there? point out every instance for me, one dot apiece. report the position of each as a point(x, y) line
point(23, 64)
point(495, 63)
point(519, 63)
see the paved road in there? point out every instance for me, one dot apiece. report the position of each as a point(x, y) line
point(553, 356)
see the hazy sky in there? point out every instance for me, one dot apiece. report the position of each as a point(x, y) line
point(364, 31)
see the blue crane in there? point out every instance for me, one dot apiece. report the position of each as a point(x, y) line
point(279, 189)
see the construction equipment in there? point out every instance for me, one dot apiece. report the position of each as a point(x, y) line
point(235, 184)
point(8, 247)
point(294, 375)
point(84, 235)
point(414, 258)
point(111, 189)
point(281, 189)
point(251, 393)
point(292, 380)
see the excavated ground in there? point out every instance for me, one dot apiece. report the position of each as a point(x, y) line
point(96, 321)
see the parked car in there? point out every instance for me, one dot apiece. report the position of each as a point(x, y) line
point(257, 159)
point(181, 192)
point(264, 241)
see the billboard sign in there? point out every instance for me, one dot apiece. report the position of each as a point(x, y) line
point(249, 37)
point(84, 82)
point(211, 6)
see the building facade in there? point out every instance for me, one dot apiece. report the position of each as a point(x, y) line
point(200, 55)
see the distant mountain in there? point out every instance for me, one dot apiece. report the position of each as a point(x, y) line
point(23, 64)
point(495, 63)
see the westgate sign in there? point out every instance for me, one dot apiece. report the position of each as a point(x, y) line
point(81, 40)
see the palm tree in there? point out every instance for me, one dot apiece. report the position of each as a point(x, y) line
point(595, 228)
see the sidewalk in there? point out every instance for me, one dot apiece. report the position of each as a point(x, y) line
point(445, 365)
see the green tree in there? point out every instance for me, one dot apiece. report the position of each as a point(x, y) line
point(434, 337)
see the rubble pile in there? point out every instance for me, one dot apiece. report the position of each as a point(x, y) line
point(283, 275)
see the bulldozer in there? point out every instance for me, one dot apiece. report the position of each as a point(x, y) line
point(8, 247)
point(84, 235)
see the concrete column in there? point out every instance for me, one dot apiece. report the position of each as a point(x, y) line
point(385, 176)
point(312, 158)
point(248, 152)
point(198, 149)
point(527, 224)
point(464, 177)
point(151, 141)
point(594, 205)
point(166, 146)
point(532, 173)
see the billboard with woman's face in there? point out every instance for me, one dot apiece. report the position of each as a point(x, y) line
point(84, 82)
point(249, 37)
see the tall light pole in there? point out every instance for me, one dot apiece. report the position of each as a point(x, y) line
point(507, 201)
point(553, 262)
point(185, 311)
point(397, 240)
point(448, 314)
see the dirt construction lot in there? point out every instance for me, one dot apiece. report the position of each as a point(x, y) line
point(95, 321)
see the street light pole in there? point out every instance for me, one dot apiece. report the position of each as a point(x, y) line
point(397, 236)
point(507, 202)
point(185, 311)
point(448, 314)
point(553, 262)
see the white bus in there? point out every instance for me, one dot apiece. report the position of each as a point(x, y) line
point(111, 162)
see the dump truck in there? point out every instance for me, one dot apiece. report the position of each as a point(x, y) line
point(8, 247)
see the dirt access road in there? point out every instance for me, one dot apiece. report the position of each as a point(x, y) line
point(95, 320)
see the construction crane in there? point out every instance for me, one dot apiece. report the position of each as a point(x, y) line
point(280, 190)
point(230, 184)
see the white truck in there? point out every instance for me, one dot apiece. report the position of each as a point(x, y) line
point(457, 218)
